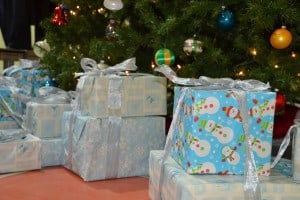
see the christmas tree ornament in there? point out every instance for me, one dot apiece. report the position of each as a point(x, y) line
point(281, 38)
point(60, 16)
point(226, 19)
point(110, 31)
point(164, 57)
point(280, 102)
point(192, 46)
point(113, 4)
point(40, 48)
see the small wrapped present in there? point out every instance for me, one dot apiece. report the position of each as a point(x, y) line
point(178, 185)
point(51, 152)
point(44, 113)
point(210, 138)
point(105, 92)
point(29, 76)
point(44, 120)
point(114, 147)
point(20, 154)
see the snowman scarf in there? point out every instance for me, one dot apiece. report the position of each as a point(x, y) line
point(251, 181)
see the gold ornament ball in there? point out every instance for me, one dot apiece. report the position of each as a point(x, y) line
point(281, 38)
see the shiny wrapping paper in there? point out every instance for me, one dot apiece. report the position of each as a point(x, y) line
point(178, 185)
point(113, 147)
point(20, 154)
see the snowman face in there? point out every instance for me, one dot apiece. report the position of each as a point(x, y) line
point(231, 155)
point(255, 111)
point(233, 112)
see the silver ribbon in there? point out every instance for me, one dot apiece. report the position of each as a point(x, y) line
point(251, 182)
point(24, 64)
point(285, 143)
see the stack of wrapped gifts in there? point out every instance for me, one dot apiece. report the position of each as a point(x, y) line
point(30, 128)
point(117, 119)
point(219, 143)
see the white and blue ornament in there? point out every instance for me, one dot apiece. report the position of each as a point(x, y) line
point(226, 19)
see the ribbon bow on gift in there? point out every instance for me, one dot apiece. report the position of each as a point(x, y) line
point(251, 183)
point(91, 68)
point(213, 83)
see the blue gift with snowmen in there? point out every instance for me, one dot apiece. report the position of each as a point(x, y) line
point(209, 137)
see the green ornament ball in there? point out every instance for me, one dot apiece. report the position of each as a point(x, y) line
point(164, 57)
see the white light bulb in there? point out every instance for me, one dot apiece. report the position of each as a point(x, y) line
point(113, 4)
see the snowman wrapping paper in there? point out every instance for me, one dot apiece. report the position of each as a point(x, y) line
point(209, 137)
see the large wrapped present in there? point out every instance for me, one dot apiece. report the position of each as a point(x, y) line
point(44, 119)
point(102, 94)
point(67, 125)
point(20, 154)
point(29, 76)
point(209, 136)
point(178, 185)
point(114, 147)
point(51, 152)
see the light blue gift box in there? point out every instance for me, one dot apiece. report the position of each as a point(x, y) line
point(29, 76)
point(209, 136)
point(113, 147)
point(44, 119)
point(178, 185)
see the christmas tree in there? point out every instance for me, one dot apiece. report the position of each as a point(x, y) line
point(234, 38)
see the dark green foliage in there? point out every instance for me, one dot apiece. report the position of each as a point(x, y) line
point(148, 25)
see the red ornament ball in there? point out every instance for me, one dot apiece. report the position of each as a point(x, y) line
point(280, 102)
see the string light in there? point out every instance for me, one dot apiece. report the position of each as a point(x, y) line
point(241, 73)
point(127, 73)
point(74, 57)
point(298, 74)
point(276, 66)
point(178, 66)
point(253, 52)
point(293, 54)
point(152, 65)
point(72, 12)
point(101, 10)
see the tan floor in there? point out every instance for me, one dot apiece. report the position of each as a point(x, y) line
point(58, 183)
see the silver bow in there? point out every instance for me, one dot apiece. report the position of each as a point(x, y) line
point(213, 83)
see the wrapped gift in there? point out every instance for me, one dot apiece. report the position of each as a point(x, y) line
point(29, 76)
point(20, 154)
point(44, 119)
point(178, 185)
point(68, 121)
point(209, 136)
point(51, 152)
point(6, 119)
point(102, 94)
point(113, 147)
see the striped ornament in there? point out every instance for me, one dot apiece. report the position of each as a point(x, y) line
point(164, 57)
